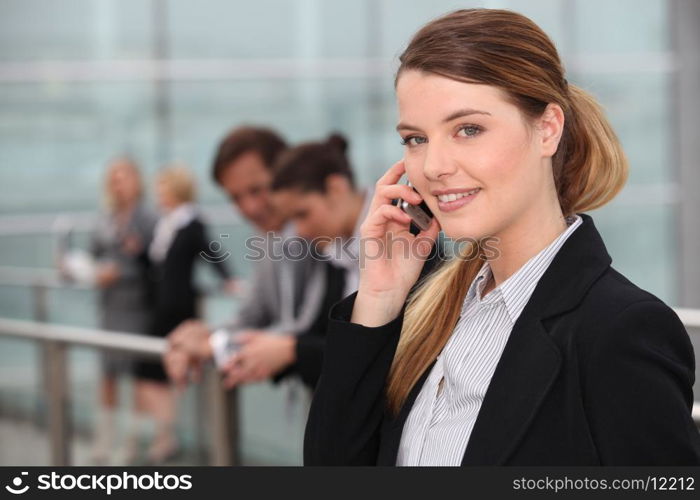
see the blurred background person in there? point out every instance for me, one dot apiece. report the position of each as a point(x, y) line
point(179, 240)
point(283, 295)
point(119, 248)
point(314, 189)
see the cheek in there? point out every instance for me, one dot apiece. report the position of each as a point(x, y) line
point(506, 167)
point(414, 172)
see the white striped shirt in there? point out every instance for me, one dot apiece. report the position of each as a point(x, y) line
point(438, 427)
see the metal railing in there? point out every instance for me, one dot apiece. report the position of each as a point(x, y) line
point(55, 339)
point(222, 405)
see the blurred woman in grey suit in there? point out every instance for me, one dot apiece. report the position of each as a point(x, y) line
point(119, 246)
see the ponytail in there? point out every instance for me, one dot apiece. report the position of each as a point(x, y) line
point(590, 167)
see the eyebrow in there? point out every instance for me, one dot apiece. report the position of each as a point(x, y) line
point(461, 113)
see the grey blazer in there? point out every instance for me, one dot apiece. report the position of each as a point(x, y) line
point(125, 305)
point(285, 293)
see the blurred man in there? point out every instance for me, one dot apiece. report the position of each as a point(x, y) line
point(285, 295)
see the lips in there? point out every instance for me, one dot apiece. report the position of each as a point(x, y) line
point(446, 198)
point(450, 202)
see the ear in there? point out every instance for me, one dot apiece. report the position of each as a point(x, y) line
point(551, 127)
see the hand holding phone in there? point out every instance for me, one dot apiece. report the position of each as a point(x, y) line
point(394, 248)
point(421, 216)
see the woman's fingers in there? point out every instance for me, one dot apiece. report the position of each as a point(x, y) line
point(386, 193)
point(386, 189)
point(394, 173)
point(427, 238)
point(375, 224)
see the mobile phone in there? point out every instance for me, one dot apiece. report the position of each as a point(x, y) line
point(420, 214)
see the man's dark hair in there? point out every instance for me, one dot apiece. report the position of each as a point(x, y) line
point(246, 139)
point(307, 166)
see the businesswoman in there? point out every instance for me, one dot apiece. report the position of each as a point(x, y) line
point(179, 241)
point(530, 349)
point(120, 245)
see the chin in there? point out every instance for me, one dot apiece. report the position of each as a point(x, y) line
point(457, 229)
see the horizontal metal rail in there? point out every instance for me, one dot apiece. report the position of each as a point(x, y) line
point(222, 422)
point(101, 339)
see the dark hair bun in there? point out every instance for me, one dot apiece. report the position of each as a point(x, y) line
point(338, 142)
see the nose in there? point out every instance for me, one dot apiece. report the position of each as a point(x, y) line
point(438, 163)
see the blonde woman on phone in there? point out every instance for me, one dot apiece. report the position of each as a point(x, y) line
point(542, 354)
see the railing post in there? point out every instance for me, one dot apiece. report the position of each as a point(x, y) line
point(234, 425)
point(41, 315)
point(223, 415)
point(57, 394)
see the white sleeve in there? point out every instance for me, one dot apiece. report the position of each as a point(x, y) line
point(219, 341)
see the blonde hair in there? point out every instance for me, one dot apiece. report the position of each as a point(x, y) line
point(507, 50)
point(180, 181)
point(122, 162)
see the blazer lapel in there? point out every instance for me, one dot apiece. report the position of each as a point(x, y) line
point(531, 359)
point(527, 369)
point(393, 427)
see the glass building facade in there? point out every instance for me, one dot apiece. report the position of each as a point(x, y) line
point(82, 81)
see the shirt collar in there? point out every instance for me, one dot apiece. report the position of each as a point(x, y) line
point(517, 289)
point(182, 215)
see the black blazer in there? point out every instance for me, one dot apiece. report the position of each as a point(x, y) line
point(175, 291)
point(312, 342)
point(596, 371)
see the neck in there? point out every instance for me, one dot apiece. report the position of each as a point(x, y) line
point(524, 239)
point(170, 209)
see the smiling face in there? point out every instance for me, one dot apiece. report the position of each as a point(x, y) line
point(165, 194)
point(313, 214)
point(123, 183)
point(477, 161)
point(247, 181)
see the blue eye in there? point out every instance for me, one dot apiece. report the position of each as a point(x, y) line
point(413, 140)
point(469, 130)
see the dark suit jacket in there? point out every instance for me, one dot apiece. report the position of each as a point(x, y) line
point(312, 342)
point(596, 371)
point(175, 291)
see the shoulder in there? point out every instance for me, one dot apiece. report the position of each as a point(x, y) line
point(619, 318)
point(196, 225)
point(614, 296)
point(190, 234)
